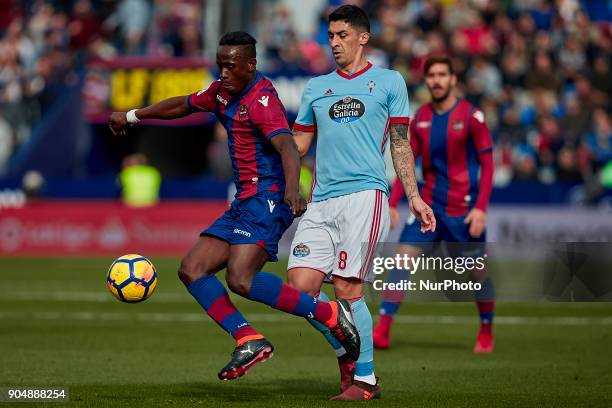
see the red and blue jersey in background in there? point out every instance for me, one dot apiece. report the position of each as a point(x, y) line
point(456, 155)
point(251, 120)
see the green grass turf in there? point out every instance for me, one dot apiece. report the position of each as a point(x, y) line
point(59, 327)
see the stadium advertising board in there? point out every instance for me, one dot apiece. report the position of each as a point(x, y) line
point(525, 225)
point(120, 84)
point(102, 228)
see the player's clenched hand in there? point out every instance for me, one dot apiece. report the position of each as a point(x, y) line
point(395, 217)
point(423, 213)
point(478, 222)
point(296, 202)
point(117, 122)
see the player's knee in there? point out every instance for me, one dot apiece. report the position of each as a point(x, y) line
point(190, 270)
point(239, 275)
point(347, 288)
point(299, 282)
point(240, 285)
point(185, 271)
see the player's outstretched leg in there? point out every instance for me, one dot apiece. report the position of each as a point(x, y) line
point(485, 301)
point(335, 315)
point(269, 289)
point(392, 299)
point(197, 269)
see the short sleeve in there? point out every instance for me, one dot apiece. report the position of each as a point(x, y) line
point(268, 115)
point(205, 100)
point(397, 100)
point(414, 139)
point(480, 132)
point(305, 121)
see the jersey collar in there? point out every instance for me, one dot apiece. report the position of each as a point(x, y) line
point(457, 100)
point(355, 74)
point(258, 76)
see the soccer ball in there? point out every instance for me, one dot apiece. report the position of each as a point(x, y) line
point(131, 278)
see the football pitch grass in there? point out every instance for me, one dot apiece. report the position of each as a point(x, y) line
point(59, 327)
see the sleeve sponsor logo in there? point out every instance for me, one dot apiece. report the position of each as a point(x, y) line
point(220, 99)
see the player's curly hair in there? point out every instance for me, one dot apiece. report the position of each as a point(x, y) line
point(353, 15)
point(240, 38)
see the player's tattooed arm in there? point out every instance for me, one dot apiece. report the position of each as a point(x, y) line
point(285, 145)
point(403, 161)
point(170, 108)
point(303, 140)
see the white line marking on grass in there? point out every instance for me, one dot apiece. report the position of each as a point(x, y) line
point(509, 320)
point(80, 296)
point(280, 318)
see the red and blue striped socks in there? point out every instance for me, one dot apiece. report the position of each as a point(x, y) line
point(485, 301)
point(213, 297)
point(485, 311)
point(271, 290)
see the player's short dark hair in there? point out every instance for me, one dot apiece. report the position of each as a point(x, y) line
point(240, 38)
point(353, 15)
point(438, 59)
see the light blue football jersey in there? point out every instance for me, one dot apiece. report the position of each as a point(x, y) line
point(351, 115)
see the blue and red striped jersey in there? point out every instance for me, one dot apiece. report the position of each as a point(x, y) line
point(251, 119)
point(454, 147)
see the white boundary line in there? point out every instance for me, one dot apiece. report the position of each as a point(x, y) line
point(282, 318)
point(102, 296)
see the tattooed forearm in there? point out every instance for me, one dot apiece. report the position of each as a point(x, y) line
point(403, 159)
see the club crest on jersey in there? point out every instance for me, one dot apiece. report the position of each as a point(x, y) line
point(457, 125)
point(371, 85)
point(301, 250)
point(243, 110)
point(347, 109)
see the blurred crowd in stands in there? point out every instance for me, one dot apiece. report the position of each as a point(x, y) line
point(539, 69)
point(44, 43)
